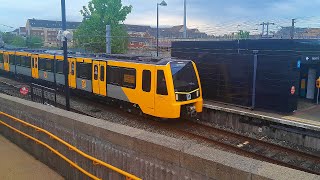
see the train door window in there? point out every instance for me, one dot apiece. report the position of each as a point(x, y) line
point(72, 68)
point(129, 78)
point(101, 73)
point(95, 73)
point(161, 83)
point(146, 80)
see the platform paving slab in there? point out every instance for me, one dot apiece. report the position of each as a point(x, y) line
point(16, 164)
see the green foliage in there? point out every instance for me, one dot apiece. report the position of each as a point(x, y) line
point(243, 34)
point(8, 37)
point(91, 34)
point(18, 41)
point(34, 42)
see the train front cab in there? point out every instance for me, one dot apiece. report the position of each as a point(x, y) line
point(178, 90)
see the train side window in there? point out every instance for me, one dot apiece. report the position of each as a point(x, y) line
point(1, 58)
point(101, 73)
point(18, 60)
point(84, 71)
point(128, 78)
point(11, 59)
point(27, 61)
point(59, 67)
point(48, 65)
point(95, 73)
point(161, 83)
point(113, 75)
point(146, 80)
point(41, 64)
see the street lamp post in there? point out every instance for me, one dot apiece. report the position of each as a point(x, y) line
point(65, 54)
point(163, 3)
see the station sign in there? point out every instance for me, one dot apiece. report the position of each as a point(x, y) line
point(24, 90)
point(311, 59)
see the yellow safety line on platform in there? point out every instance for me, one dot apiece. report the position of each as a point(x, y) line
point(301, 120)
point(53, 150)
point(95, 161)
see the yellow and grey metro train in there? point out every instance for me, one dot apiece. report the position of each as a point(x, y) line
point(167, 88)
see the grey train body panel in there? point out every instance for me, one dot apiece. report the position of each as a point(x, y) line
point(116, 92)
point(12, 68)
point(50, 76)
point(87, 87)
point(60, 79)
point(24, 71)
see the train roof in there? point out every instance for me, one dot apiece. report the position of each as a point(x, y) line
point(101, 56)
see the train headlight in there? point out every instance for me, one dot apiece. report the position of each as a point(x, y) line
point(177, 97)
point(197, 93)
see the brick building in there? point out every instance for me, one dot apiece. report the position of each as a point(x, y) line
point(48, 30)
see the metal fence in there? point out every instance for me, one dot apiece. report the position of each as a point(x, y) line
point(44, 95)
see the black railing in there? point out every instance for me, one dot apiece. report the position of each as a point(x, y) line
point(44, 95)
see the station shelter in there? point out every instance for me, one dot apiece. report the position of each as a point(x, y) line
point(309, 73)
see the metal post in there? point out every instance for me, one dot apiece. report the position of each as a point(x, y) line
point(255, 65)
point(157, 30)
point(185, 20)
point(267, 29)
point(108, 39)
point(318, 96)
point(65, 55)
point(292, 28)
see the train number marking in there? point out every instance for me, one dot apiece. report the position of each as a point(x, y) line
point(84, 84)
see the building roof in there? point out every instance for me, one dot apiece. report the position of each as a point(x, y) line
point(52, 24)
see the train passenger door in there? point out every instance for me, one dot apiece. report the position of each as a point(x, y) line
point(6, 62)
point(34, 65)
point(72, 73)
point(99, 78)
point(148, 88)
point(162, 98)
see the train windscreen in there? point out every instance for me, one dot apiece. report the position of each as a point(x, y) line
point(184, 76)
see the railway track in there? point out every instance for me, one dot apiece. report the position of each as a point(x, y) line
point(230, 141)
point(259, 149)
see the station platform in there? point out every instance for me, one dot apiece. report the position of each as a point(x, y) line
point(17, 164)
point(307, 115)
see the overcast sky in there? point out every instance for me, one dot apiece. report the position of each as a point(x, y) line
point(211, 16)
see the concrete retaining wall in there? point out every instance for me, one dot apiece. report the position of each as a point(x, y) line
point(145, 154)
point(283, 130)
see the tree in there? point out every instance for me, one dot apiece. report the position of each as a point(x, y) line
point(243, 34)
point(18, 41)
point(91, 33)
point(7, 37)
point(34, 42)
